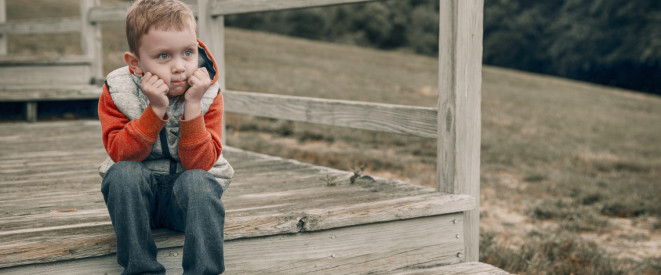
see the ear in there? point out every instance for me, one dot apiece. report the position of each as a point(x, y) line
point(133, 62)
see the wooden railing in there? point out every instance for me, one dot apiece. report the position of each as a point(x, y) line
point(456, 123)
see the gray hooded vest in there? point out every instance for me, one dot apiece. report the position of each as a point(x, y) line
point(124, 88)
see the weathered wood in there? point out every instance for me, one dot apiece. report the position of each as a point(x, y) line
point(212, 32)
point(115, 13)
point(60, 25)
point(18, 93)
point(380, 247)
point(109, 13)
point(409, 120)
point(459, 122)
point(226, 7)
point(90, 34)
point(31, 70)
point(3, 19)
point(467, 268)
point(52, 208)
point(31, 111)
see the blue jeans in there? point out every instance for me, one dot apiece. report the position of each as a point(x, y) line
point(139, 201)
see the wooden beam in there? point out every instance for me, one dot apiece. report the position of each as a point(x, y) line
point(3, 19)
point(90, 39)
point(115, 13)
point(399, 119)
point(226, 7)
point(31, 111)
point(371, 248)
point(101, 14)
point(211, 30)
point(459, 116)
point(63, 25)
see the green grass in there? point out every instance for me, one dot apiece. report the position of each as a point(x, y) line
point(574, 154)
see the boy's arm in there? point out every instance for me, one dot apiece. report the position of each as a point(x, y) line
point(200, 138)
point(124, 139)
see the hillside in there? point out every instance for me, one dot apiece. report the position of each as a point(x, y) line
point(568, 167)
point(559, 157)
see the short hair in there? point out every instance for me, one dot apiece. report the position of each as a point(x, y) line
point(159, 14)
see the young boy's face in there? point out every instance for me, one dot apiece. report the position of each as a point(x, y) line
point(169, 54)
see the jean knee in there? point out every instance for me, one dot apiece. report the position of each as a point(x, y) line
point(198, 186)
point(126, 176)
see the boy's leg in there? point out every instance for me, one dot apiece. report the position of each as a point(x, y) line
point(198, 206)
point(127, 189)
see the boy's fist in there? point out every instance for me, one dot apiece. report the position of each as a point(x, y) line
point(199, 82)
point(157, 92)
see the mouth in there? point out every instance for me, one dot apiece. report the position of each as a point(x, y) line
point(178, 83)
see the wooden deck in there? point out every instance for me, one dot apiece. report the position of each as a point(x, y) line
point(283, 216)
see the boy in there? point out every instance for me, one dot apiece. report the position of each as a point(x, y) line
point(161, 118)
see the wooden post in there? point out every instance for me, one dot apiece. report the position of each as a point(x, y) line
point(90, 39)
point(3, 19)
point(31, 111)
point(211, 30)
point(459, 121)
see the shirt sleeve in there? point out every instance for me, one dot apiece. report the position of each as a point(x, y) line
point(124, 139)
point(200, 138)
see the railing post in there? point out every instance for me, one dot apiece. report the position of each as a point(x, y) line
point(90, 39)
point(459, 121)
point(3, 19)
point(211, 30)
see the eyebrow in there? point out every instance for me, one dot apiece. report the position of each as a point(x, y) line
point(164, 49)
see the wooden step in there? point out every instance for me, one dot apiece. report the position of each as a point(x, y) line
point(282, 214)
point(33, 92)
point(27, 70)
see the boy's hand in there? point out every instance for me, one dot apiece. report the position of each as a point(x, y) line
point(199, 82)
point(157, 92)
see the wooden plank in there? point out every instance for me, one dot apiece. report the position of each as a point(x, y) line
point(31, 111)
point(29, 60)
point(3, 19)
point(117, 12)
point(45, 74)
point(212, 32)
point(16, 93)
point(468, 268)
point(109, 13)
point(408, 120)
point(60, 25)
point(226, 7)
point(378, 248)
point(459, 121)
point(90, 39)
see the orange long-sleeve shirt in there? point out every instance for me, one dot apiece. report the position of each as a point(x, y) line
point(199, 142)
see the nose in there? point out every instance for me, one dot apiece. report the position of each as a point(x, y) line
point(178, 66)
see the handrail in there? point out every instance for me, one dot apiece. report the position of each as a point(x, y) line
point(59, 25)
point(227, 7)
point(399, 119)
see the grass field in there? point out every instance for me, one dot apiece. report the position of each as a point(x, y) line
point(570, 172)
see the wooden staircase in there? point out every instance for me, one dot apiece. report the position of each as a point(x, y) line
point(283, 216)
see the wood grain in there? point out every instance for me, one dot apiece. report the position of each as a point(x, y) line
point(226, 7)
point(379, 247)
point(409, 120)
point(60, 25)
point(459, 121)
point(51, 207)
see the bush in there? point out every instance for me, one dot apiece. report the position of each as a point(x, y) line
point(559, 253)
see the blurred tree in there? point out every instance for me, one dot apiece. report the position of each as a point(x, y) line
point(613, 42)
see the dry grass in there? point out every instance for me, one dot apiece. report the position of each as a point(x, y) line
point(563, 162)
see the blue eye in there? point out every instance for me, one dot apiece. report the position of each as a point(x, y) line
point(188, 53)
point(163, 56)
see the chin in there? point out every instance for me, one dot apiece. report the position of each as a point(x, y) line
point(177, 92)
